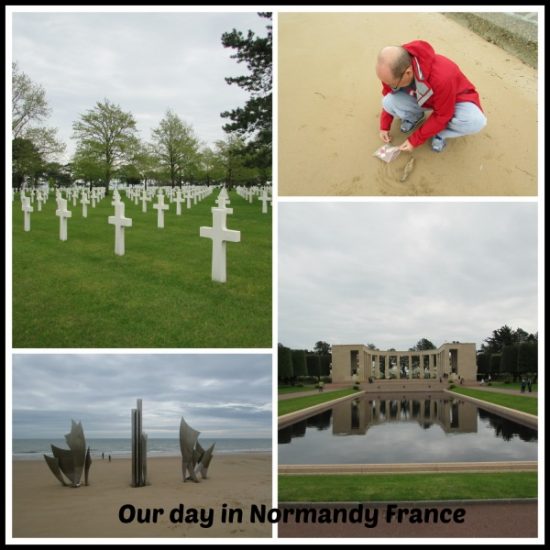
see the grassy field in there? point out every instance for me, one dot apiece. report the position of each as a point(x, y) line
point(79, 294)
point(518, 402)
point(396, 487)
point(512, 386)
point(291, 405)
point(294, 389)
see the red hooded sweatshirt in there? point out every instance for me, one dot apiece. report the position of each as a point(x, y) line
point(440, 84)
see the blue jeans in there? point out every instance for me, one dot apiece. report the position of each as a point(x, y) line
point(467, 119)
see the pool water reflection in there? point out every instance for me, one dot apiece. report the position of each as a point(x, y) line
point(405, 429)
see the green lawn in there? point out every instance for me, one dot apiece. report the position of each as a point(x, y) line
point(396, 487)
point(294, 389)
point(518, 402)
point(512, 386)
point(79, 294)
point(291, 405)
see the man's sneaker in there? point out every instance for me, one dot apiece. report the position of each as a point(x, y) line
point(408, 126)
point(438, 144)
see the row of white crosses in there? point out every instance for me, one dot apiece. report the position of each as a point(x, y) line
point(219, 233)
point(248, 193)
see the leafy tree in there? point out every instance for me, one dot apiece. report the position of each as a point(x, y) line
point(423, 344)
point(58, 174)
point(494, 364)
point(46, 141)
point(28, 102)
point(483, 363)
point(253, 121)
point(322, 348)
point(284, 362)
point(176, 147)
point(313, 362)
point(299, 362)
point(26, 161)
point(501, 337)
point(108, 133)
point(509, 361)
point(88, 166)
point(528, 357)
point(29, 106)
point(372, 347)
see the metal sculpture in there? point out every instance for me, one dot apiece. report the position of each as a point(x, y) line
point(139, 449)
point(71, 462)
point(193, 456)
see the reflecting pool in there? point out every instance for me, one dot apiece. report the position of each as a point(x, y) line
point(415, 428)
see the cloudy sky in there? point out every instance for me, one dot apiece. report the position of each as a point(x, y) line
point(219, 395)
point(393, 273)
point(144, 62)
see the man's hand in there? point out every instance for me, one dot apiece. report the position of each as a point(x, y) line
point(406, 146)
point(385, 136)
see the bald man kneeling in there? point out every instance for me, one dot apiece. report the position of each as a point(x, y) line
point(414, 80)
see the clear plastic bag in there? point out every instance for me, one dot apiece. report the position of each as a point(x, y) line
point(387, 152)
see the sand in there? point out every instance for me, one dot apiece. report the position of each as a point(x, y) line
point(43, 508)
point(330, 100)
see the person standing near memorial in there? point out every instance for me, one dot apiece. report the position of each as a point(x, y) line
point(416, 79)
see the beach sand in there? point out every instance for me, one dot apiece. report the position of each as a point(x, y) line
point(42, 507)
point(330, 101)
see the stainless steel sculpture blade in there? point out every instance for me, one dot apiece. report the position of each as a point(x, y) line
point(77, 443)
point(139, 449)
point(70, 462)
point(188, 440)
point(53, 463)
point(205, 461)
point(87, 464)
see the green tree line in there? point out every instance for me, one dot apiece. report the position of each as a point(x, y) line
point(508, 353)
point(297, 364)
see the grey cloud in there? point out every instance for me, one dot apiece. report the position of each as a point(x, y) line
point(391, 273)
point(218, 393)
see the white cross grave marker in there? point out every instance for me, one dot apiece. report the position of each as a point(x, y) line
point(63, 214)
point(265, 199)
point(179, 199)
point(144, 199)
point(27, 209)
point(160, 207)
point(39, 201)
point(84, 202)
point(220, 235)
point(120, 222)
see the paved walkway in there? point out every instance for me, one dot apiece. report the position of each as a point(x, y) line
point(506, 519)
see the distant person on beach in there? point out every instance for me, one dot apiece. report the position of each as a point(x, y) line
point(109, 458)
point(416, 79)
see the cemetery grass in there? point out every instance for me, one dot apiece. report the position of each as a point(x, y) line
point(407, 487)
point(517, 402)
point(295, 404)
point(79, 294)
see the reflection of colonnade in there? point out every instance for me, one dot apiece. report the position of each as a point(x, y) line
point(357, 415)
point(450, 360)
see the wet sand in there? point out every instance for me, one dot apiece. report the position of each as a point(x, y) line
point(43, 508)
point(330, 100)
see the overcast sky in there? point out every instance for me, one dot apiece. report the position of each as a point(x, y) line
point(219, 395)
point(393, 273)
point(144, 62)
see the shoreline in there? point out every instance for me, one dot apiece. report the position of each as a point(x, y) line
point(42, 507)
